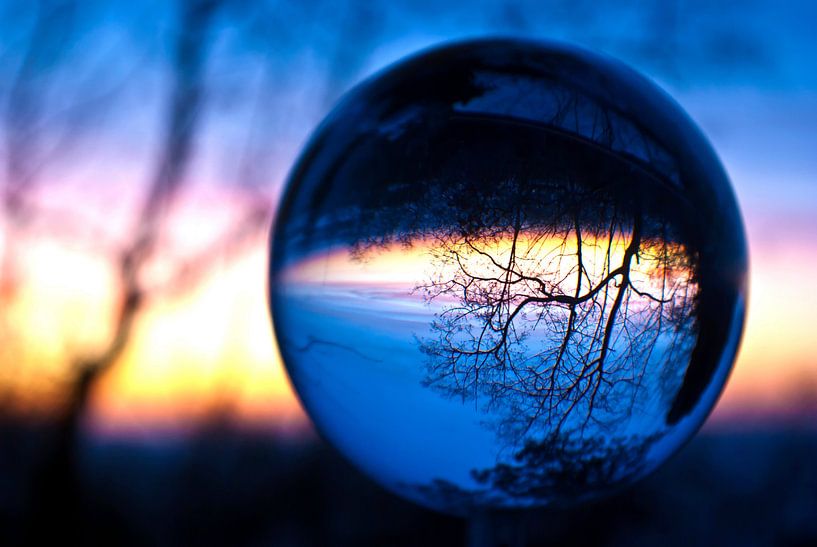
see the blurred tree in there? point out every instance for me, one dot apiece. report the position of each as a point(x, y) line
point(56, 493)
point(53, 100)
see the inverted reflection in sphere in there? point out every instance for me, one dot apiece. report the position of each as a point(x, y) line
point(508, 274)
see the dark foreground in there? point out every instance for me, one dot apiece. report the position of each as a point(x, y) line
point(222, 487)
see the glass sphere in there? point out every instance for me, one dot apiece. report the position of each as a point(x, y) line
point(508, 274)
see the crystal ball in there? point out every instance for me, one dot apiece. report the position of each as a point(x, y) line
point(507, 274)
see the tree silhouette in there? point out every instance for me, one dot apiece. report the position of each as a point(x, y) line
point(559, 318)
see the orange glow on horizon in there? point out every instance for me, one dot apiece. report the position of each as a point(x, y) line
point(425, 259)
point(212, 349)
point(776, 369)
point(63, 304)
point(209, 351)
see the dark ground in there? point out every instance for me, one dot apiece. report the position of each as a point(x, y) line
point(223, 487)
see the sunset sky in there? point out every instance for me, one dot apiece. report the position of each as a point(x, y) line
point(747, 77)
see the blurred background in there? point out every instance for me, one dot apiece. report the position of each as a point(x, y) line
point(143, 148)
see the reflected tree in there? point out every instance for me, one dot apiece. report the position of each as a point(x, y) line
point(564, 294)
point(552, 468)
point(568, 470)
point(561, 311)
